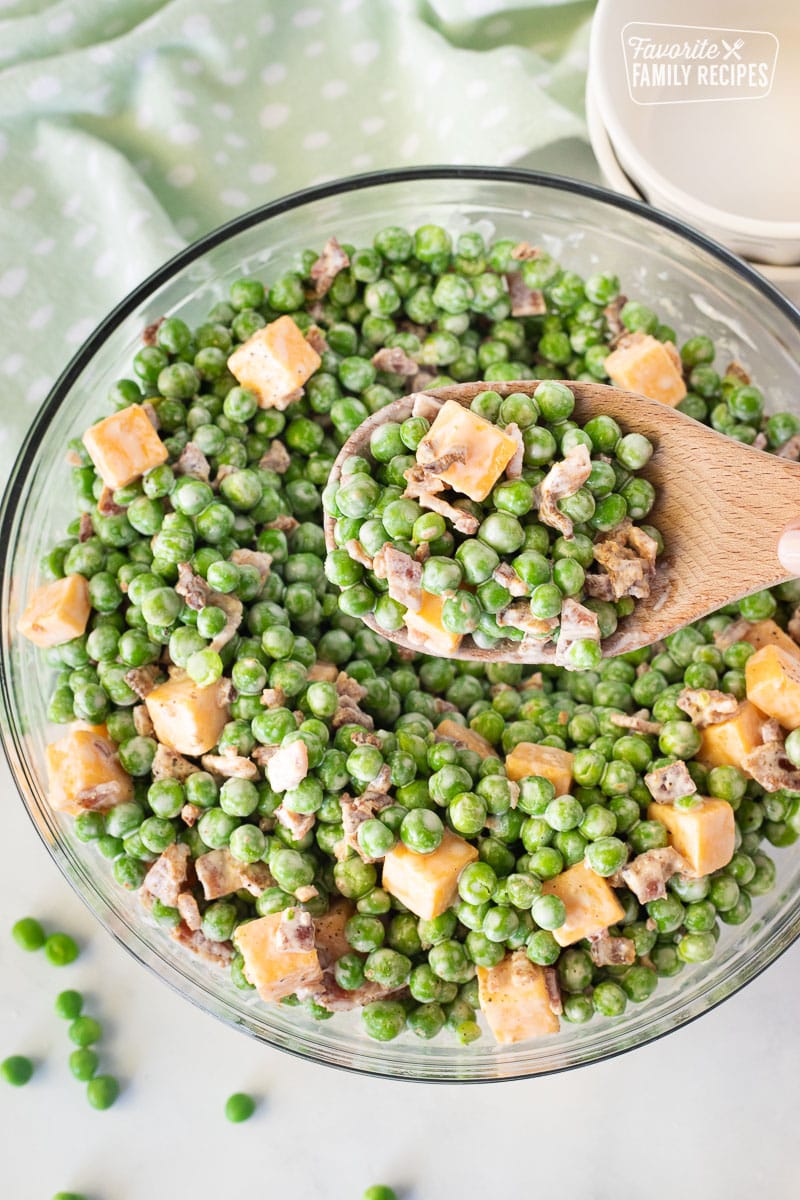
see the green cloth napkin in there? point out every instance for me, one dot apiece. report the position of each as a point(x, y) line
point(129, 128)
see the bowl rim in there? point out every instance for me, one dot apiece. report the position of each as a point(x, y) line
point(647, 173)
point(58, 393)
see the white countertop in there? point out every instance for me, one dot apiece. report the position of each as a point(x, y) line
point(708, 1113)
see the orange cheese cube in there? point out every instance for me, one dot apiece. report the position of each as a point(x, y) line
point(427, 883)
point(57, 612)
point(529, 758)
point(124, 446)
point(488, 450)
point(727, 743)
point(767, 633)
point(705, 836)
point(273, 971)
point(274, 363)
point(451, 731)
point(590, 902)
point(773, 684)
point(329, 932)
point(513, 998)
point(644, 364)
point(187, 718)
point(84, 772)
point(425, 627)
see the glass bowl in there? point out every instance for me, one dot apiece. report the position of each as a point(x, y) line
point(693, 283)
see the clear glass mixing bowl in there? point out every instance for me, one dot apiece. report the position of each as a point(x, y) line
point(694, 284)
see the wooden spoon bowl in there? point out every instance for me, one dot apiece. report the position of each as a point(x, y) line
point(720, 506)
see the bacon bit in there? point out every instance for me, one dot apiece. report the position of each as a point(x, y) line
point(85, 528)
point(599, 587)
point(647, 874)
point(276, 459)
point(791, 449)
point(519, 616)
point(218, 953)
point(443, 706)
point(737, 631)
point(358, 553)
point(263, 754)
point(295, 932)
point(738, 372)
point(316, 339)
point(577, 624)
point(422, 552)
point(329, 995)
point(551, 986)
point(394, 360)
point(770, 766)
point(234, 611)
point(142, 680)
point(514, 468)
point(107, 505)
point(230, 766)
point(221, 874)
point(73, 459)
point(298, 824)
point(142, 722)
point(198, 595)
point(193, 462)
point(760, 441)
point(563, 479)
point(273, 697)
point(284, 523)
point(168, 874)
point(771, 732)
point(189, 910)
point(190, 814)
point(355, 811)
point(437, 466)
point(666, 784)
point(192, 588)
point(423, 405)
point(608, 951)
point(642, 669)
point(323, 670)
point(638, 722)
point(524, 252)
point(331, 261)
point(628, 555)
point(525, 301)
point(253, 558)
point(404, 576)
point(223, 472)
point(422, 487)
point(533, 681)
point(149, 411)
point(612, 315)
point(349, 688)
point(350, 693)
point(421, 381)
point(707, 707)
point(150, 332)
point(363, 737)
point(306, 893)
point(289, 767)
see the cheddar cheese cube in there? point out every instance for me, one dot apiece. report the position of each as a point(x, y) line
point(487, 450)
point(187, 718)
point(273, 971)
point(274, 363)
point(124, 446)
point(453, 732)
point(84, 772)
point(57, 612)
point(427, 883)
point(529, 758)
point(590, 902)
point(513, 998)
point(768, 633)
point(705, 836)
point(727, 743)
point(425, 627)
point(773, 684)
point(644, 364)
point(329, 932)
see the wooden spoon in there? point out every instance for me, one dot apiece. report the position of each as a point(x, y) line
point(720, 507)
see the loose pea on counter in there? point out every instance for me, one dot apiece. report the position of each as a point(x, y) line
point(344, 825)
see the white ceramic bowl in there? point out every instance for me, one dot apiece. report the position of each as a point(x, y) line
point(727, 166)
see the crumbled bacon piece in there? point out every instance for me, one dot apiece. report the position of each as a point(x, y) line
point(771, 767)
point(288, 767)
point(666, 784)
point(738, 372)
point(611, 312)
point(424, 406)
point(628, 555)
point(253, 558)
point(394, 360)
point(221, 874)
point(608, 951)
point(424, 486)
point(218, 953)
point(403, 574)
point(519, 616)
point(737, 631)
point(264, 754)
point(150, 332)
point(316, 339)
point(760, 441)
point(192, 461)
point(277, 458)
point(191, 814)
point(298, 824)
point(358, 553)
point(363, 737)
point(284, 523)
point(331, 261)
point(168, 764)
point(273, 697)
point(791, 448)
point(505, 575)
point(230, 766)
point(192, 588)
point(553, 989)
point(524, 251)
point(107, 505)
point(142, 721)
point(168, 874)
point(329, 995)
point(704, 706)
point(149, 411)
point(142, 680)
point(525, 301)
point(295, 930)
point(563, 479)
point(577, 624)
point(323, 670)
point(355, 811)
point(514, 468)
point(85, 528)
point(638, 722)
point(647, 874)
point(189, 910)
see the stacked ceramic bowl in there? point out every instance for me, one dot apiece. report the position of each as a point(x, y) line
point(695, 111)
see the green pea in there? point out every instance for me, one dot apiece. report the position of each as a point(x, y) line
point(28, 934)
point(239, 1107)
